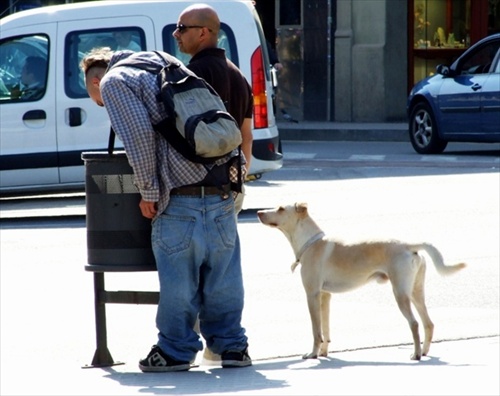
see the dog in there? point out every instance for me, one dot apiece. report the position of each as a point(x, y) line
point(330, 266)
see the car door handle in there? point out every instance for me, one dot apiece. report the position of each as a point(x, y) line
point(34, 115)
point(476, 86)
point(75, 116)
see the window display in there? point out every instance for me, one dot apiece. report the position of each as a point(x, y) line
point(442, 24)
point(441, 32)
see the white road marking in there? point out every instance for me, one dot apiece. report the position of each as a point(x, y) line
point(437, 158)
point(358, 157)
point(294, 156)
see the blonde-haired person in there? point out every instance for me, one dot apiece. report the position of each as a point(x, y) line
point(194, 234)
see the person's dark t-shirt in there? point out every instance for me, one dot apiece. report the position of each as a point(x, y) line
point(227, 80)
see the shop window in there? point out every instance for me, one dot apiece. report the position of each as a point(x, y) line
point(493, 16)
point(289, 12)
point(441, 32)
point(441, 24)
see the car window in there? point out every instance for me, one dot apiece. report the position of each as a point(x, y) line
point(481, 60)
point(23, 68)
point(79, 43)
point(226, 40)
point(496, 63)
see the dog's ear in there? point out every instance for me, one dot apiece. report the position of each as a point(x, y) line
point(301, 207)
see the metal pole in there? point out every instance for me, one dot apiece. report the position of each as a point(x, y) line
point(102, 356)
point(329, 61)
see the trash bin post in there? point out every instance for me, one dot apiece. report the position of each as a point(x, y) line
point(102, 356)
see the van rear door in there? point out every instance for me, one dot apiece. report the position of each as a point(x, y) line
point(82, 125)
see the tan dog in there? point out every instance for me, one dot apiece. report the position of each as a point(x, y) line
point(329, 266)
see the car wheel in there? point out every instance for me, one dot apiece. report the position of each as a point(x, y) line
point(424, 135)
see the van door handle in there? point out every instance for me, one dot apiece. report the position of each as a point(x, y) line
point(35, 115)
point(476, 86)
point(75, 116)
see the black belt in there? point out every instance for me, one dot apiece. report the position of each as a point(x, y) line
point(200, 191)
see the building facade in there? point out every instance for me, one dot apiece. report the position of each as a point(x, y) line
point(356, 60)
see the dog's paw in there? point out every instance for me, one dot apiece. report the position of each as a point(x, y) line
point(311, 355)
point(415, 356)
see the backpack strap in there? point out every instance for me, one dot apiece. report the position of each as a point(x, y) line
point(111, 141)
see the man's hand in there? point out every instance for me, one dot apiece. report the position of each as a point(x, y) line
point(148, 208)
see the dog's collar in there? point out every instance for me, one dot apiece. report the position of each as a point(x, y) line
point(311, 241)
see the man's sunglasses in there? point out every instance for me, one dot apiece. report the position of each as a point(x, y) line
point(182, 28)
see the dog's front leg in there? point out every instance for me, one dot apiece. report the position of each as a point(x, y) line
point(325, 322)
point(314, 305)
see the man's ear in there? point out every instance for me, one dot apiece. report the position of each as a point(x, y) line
point(96, 81)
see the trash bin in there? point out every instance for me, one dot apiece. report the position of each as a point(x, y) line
point(118, 236)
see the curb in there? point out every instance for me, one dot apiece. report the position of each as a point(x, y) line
point(334, 131)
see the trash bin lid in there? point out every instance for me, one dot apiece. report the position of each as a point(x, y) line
point(103, 156)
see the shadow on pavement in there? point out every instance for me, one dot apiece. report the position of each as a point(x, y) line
point(263, 375)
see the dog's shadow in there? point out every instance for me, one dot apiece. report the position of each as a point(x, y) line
point(336, 363)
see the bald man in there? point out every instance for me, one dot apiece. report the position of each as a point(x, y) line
point(196, 35)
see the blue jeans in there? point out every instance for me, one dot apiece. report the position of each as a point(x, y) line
point(197, 251)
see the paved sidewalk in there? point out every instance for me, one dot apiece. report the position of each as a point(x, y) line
point(48, 336)
point(465, 367)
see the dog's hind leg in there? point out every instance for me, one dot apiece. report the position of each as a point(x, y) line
point(418, 299)
point(314, 305)
point(402, 286)
point(325, 322)
point(404, 304)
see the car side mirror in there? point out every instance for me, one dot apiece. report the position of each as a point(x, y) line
point(443, 70)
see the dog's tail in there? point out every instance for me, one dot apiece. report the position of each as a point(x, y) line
point(437, 259)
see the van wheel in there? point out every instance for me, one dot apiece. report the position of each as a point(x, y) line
point(424, 134)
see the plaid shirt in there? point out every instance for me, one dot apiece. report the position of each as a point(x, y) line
point(129, 95)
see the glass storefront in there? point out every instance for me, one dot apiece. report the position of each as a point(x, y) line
point(441, 30)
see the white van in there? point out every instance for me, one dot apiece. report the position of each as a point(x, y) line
point(45, 128)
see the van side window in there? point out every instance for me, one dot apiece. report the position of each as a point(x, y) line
point(23, 68)
point(226, 40)
point(79, 43)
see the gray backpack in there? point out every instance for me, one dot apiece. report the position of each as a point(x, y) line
point(197, 124)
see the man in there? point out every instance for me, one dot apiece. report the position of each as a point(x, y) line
point(194, 234)
point(197, 34)
point(33, 76)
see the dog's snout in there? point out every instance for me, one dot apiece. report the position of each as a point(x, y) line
point(265, 219)
point(261, 215)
